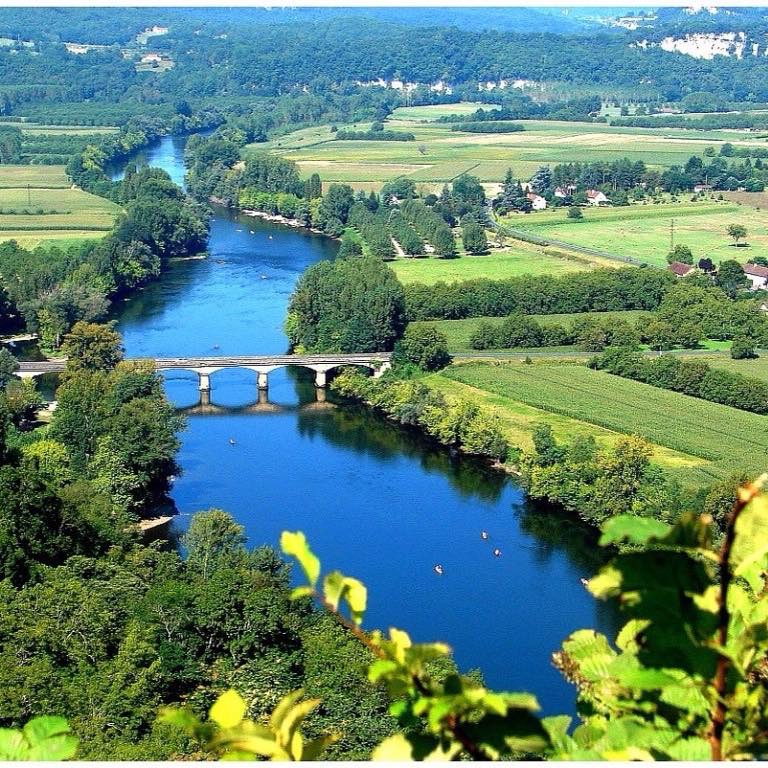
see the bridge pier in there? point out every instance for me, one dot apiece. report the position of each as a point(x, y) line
point(263, 381)
point(205, 397)
point(382, 369)
point(204, 382)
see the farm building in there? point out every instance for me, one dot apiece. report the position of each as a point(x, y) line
point(702, 188)
point(538, 203)
point(679, 269)
point(151, 58)
point(596, 197)
point(757, 276)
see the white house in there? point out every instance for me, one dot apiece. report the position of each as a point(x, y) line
point(757, 276)
point(538, 203)
point(565, 191)
point(596, 197)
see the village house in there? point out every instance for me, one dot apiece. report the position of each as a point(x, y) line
point(697, 188)
point(679, 269)
point(538, 203)
point(757, 276)
point(151, 58)
point(596, 197)
point(565, 191)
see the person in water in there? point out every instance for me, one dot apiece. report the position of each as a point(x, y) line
point(484, 535)
point(497, 552)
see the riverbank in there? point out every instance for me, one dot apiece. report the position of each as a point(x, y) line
point(574, 470)
point(278, 219)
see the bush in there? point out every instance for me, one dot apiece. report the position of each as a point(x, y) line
point(575, 212)
point(484, 336)
point(742, 348)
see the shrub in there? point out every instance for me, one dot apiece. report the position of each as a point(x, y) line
point(742, 348)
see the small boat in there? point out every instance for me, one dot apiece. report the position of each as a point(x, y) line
point(215, 346)
point(439, 569)
point(484, 535)
point(497, 552)
point(231, 441)
point(270, 237)
point(238, 230)
point(264, 277)
point(251, 231)
point(584, 582)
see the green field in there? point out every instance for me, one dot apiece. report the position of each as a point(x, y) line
point(516, 258)
point(644, 231)
point(697, 441)
point(439, 154)
point(39, 207)
point(459, 332)
point(756, 369)
point(436, 111)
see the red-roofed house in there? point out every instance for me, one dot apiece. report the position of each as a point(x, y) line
point(596, 197)
point(538, 203)
point(757, 275)
point(679, 269)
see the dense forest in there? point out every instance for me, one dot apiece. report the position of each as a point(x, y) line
point(221, 63)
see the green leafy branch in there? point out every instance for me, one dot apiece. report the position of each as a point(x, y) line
point(227, 732)
point(42, 738)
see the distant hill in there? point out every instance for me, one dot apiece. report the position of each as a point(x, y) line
point(553, 20)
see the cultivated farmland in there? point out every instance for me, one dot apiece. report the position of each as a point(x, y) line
point(708, 440)
point(39, 207)
point(439, 154)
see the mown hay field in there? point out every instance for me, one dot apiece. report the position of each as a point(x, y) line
point(697, 441)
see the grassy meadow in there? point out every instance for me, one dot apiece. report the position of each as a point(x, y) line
point(39, 207)
point(643, 231)
point(514, 259)
point(695, 441)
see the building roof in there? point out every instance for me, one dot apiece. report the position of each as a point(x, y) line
point(680, 269)
point(594, 193)
point(534, 196)
point(756, 270)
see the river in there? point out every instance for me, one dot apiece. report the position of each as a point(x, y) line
point(376, 501)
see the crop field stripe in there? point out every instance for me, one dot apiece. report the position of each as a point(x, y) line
point(659, 414)
point(602, 393)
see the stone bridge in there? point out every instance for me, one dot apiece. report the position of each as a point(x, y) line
point(263, 365)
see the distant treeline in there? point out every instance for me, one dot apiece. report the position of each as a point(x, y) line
point(489, 126)
point(343, 135)
point(708, 123)
point(518, 106)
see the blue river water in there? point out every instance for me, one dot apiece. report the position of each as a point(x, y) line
point(376, 501)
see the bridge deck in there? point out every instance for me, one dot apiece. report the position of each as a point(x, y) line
point(232, 361)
